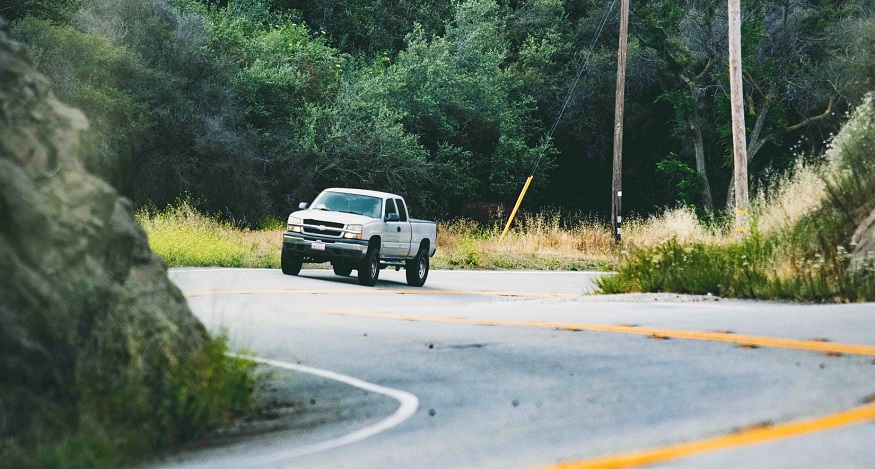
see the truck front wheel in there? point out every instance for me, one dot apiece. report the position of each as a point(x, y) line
point(369, 270)
point(290, 263)
point(417, 269)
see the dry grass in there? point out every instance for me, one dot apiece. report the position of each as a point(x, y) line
point(678, 223)
point(539, 242)
point(789, 199)
point(185, 237)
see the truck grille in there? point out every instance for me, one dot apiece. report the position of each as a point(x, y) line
point(323, 228)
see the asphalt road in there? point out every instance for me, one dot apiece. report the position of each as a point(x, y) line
point(521, 369)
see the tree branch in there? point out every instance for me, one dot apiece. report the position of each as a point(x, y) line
point(813, 118)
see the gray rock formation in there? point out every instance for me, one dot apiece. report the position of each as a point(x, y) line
point(89, 322)
point(864, 242)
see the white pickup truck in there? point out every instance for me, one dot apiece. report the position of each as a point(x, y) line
point(359, 230)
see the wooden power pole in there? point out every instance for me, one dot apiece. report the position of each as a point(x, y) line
point(617, 179)
point(739, 137)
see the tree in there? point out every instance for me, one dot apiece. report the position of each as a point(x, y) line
point(686, 42)
point(466, 108)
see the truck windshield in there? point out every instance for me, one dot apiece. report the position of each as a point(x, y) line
point(348, 203)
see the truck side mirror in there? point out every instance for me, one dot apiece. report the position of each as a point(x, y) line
point(303, 205)
point(393, 217)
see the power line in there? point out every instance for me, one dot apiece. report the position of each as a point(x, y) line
point(576, 80)
point(558, 117)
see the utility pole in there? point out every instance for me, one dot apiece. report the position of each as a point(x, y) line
point(617, 179)
point(739, 137)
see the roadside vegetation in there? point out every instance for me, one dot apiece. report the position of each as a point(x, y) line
point(185, 237)
point(799, 247)
point(135, 415)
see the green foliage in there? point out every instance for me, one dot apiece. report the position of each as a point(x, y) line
point(118, 423)
point(368, 27)
point(687, 182)
point(56, 10)
point(94, 75)
point(456, 95)
point(863, 62)
point(255, 105)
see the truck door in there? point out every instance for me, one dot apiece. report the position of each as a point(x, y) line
point(405, 240)
point(392, 234)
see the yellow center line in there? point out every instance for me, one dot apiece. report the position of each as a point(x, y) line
point(853, 416)
point(377, 291)
point(748, 340)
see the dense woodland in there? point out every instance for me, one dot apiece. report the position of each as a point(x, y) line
point(250, 106)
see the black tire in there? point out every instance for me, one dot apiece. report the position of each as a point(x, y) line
point(290, 263)
point(369, 270)
point(342, 269)
point(417, 269)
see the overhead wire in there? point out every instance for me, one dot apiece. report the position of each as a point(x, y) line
point(559, 116)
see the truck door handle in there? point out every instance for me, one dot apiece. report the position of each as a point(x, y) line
point(399, 229)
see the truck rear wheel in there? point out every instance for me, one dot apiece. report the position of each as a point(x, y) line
point(290, 263)
point(369, 270)
point(417, 269)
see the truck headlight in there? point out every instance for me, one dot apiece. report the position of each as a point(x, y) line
point(294, 224)
point(353, 232)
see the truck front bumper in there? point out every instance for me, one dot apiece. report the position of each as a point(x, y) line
point(318, 249)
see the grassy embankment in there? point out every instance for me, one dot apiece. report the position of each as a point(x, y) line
point(799, 247)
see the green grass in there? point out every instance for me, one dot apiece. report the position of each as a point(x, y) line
point(205, 389)
point(185, 237)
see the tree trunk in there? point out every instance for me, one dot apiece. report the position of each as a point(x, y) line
point(699, 148)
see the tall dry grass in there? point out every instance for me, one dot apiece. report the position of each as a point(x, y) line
point(536, 241)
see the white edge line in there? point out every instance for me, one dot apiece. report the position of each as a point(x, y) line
point(408, 405)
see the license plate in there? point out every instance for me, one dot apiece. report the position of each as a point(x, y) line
point(317, 246)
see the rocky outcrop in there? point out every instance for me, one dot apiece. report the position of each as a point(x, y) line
point(864, 244)
point(89, 322)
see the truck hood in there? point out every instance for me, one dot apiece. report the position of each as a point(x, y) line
point(335, 217)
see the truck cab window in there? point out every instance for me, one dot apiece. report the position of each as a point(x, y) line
point(390, 207)
point(402, 210)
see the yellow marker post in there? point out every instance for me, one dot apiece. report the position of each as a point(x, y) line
point(515, 208)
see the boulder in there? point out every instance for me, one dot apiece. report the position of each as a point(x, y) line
point(89, 321)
